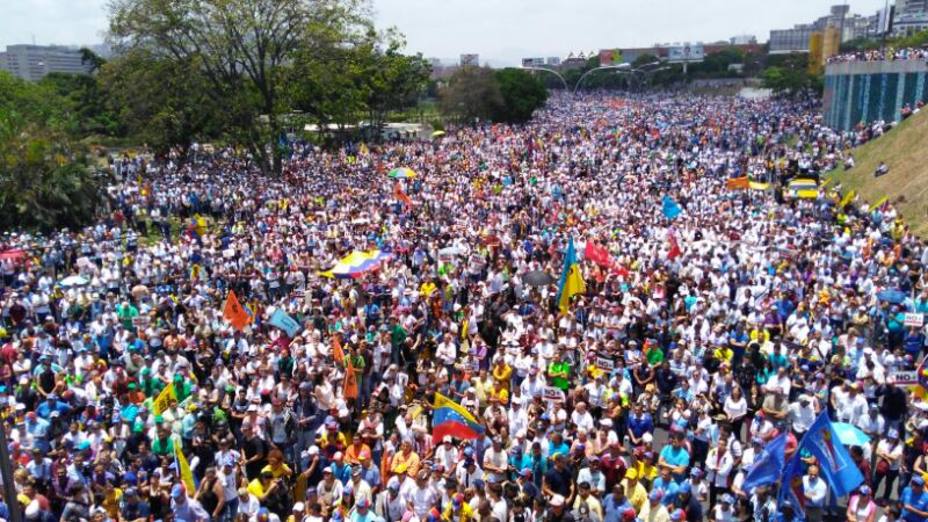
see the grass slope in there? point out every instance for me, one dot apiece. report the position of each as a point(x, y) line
point(905, 151)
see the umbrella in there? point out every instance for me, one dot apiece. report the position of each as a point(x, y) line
point(402, 172)
point(537, 278)
point(74, 280)
point(850, 435)
point(892, 295)
point(438, 134)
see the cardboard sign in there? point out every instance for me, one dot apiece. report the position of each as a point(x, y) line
point(916, 320)
point(901, 378)
point(551, 393)
point(604, 363)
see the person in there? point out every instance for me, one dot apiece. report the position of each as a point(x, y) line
point(914, 501)
point(185, 508)
point(861, 507)
point(815, 490)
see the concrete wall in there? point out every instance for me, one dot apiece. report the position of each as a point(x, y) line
point(865, 92)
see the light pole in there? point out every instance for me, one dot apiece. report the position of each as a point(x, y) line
point(622, 68)
point(552, 71)
point(9, 487)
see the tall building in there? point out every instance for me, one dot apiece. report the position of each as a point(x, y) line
point(848, 26)
point(34, 62)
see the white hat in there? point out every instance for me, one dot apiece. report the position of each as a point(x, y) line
point(557, 501)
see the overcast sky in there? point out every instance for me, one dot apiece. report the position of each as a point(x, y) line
point(502, 31)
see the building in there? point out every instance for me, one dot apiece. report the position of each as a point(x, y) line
point(906, 23)
point(864, 92)
point(742, 39)
point(848, 26)
point(553, 61)
point(34, 62)
point(533, 62)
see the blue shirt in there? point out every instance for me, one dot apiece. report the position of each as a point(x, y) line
point(919, 502)
point(675, 456)
point(640, 425)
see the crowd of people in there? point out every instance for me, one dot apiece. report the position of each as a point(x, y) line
point(700, 339)
point(879, 55)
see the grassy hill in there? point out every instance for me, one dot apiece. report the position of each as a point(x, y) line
point(905, 151)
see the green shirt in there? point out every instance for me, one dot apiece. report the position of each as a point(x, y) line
point(562, 369)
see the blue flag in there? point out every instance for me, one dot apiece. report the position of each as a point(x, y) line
point(838, 469)
point(670, 208)
point(791, 488)
point(280, 319)
point(768, 465)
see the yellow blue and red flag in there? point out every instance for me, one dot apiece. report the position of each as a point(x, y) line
point(450, 418)
point(571, 282)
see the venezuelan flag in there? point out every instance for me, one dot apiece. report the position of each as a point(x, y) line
point(451, 419)
point(356, 264)
point(571, 279)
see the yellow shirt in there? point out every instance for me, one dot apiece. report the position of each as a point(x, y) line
point(500, 394)
point(256, 488)
point(502, 375)
point(280, 471)
point(405, 464)
point(466, 513)
point(637, 496)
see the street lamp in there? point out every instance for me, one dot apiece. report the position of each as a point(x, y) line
point(622, 68)
point(552, 71)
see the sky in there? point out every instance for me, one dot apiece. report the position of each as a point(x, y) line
point(500, 31)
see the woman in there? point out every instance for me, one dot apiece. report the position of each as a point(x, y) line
point(210, 494)
point(861, 507)
point(736, 407)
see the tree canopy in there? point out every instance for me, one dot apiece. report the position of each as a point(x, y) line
point(480, 93)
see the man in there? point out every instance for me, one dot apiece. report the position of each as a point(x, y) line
point(615, 503)
point(186, 509)
point(420, 494)
point(594, 508)
point(816, 492)
point(635, 490)
point(363, 513)
point(556, 511)
point(914, 501)
point(559, 479)
point(675, 457)
point(390, 505)
point(802, 415)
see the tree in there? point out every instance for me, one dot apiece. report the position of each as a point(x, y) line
point(244, 48)
point(83, 104)
point(522, 93)
point(45, 182)
point(161, 102)
point(472, 93)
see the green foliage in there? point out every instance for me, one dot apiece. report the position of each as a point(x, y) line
point(480, 93)
point(785, 80)
point(161, 102)
point(522, 94)
point(83, 105)
point(472, 93)
point(45, 183)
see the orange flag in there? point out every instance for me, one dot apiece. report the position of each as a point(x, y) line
point(400, 195)
point(234, 313)
point(350, 387)
point(742, 183)
point(337, 353)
